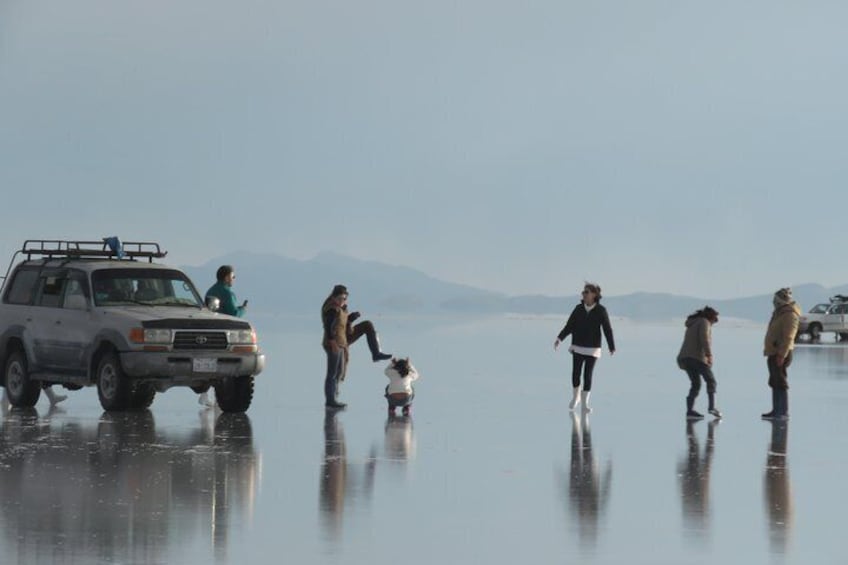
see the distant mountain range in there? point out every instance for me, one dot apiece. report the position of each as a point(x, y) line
point(277, 285)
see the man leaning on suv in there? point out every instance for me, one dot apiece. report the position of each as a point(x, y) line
point(223, 291)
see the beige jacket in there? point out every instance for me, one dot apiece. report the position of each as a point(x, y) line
point(782, 328)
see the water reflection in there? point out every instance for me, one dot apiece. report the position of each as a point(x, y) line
point(399, 438)
point(830, 359)
point(694, 474)
point(121, 491)
point(588, 488)
point(343, 483)
point(778, 489)
point(333, 475)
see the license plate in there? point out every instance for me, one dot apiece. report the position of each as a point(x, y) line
point(204, 365)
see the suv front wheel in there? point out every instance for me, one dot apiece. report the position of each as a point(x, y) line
point(23, 392)
point(113, 386)
point(234, 394)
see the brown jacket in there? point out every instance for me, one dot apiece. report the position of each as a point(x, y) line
point(697, 342)
point(335, 324)
point(782, 328)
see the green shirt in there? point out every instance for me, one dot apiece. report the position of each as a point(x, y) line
point(225, 294)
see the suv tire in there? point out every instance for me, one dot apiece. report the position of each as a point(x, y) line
point(234, 394)
point(23, 392)
point(113, 386)
point(142, 396)
point(815, 331)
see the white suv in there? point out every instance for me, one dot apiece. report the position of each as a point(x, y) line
point(826, 317)
point(75, 313)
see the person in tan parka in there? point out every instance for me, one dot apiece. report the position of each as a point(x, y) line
point(779, 342)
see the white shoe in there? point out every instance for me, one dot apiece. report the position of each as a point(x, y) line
point(203, 400)
point(586, 407)
point(53, 397)
point(575, 400)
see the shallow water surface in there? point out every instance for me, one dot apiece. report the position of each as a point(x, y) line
point(490, 467)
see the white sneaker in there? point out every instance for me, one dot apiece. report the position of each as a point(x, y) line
point(203, 400)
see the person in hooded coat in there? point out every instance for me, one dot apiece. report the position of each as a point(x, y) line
point(696, 358)
point(779, 343)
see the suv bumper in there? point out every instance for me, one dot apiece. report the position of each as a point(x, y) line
point(144, 364)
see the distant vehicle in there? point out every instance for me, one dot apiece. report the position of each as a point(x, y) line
point(84, 313)
point(826, 317)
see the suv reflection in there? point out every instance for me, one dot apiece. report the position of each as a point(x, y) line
point(120, 490)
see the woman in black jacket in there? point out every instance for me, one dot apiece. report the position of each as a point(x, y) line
point(585, 324)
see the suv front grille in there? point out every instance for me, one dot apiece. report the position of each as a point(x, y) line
point(200, 340)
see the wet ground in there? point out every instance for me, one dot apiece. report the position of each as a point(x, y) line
point(490, 467)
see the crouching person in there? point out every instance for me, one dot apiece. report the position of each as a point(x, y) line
point(399, 391)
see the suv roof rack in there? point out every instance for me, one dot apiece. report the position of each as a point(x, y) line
point(838, 298)
point(59, 248)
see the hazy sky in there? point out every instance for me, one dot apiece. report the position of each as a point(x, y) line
point(689, 147)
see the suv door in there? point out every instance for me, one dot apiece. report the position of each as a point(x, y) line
point(835, 320)
point(61, 322)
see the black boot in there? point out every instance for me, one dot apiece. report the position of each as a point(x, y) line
point(691, 414)
point(782, 410)
point(374, 346)
point(774, 405)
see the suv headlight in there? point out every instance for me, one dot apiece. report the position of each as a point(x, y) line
point(149, 336)
point(241, 337)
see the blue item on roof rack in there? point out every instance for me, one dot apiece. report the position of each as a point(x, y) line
point(115, 245)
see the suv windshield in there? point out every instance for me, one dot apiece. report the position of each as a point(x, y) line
point(162, 287)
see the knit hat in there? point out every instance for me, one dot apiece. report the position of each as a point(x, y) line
point(338, 290)
point(783, 297)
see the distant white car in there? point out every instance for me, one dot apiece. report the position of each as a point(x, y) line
point(826, 317)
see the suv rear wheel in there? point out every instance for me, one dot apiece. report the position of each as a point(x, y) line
point(113, 386)
point(234, 394)
point(23, 392)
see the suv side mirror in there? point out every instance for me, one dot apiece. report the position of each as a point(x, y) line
point(213, 303)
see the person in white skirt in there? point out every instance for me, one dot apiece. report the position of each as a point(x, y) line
point(584, 325)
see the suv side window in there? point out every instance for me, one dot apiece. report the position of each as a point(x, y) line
point(20, 290)
point(75, 292)
point(50, 290)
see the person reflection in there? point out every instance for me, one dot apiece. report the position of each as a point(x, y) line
point(588, 489)
point(694, 474)
point(399, 439)
point(333, 475)
point(778, 489)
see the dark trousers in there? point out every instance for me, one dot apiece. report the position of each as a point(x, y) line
point(778, 378)
point(358, 330)
point(584, 364)
point(399, 399)
point(335, 373)
point(696, 370)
